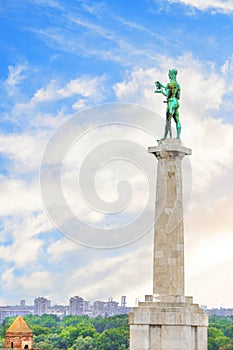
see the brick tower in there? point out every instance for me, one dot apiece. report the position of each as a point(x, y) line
point(19, 335)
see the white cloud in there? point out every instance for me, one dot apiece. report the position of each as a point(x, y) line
point(84, 86)
point(208, 228)
point(8, 278)
point(26, 226)
point(109, 276)
point(120, 50)
point(29, 285)
point(62, 248)
point(227, 67)
point(37, 282)
point(21, 253)
point(217, 5)
point(62, 99)
point(227, 70)
point(216, 285)
point(106, 175)
point(23, 150)
point(19, 242)
point(16, 75)
point(50, 3)
point(80, 104)
point(18, 196)
point(51, 104)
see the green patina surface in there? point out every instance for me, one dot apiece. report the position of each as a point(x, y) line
point(172, 92)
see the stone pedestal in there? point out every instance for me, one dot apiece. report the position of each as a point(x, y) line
point(168, 323)
point(168, 320)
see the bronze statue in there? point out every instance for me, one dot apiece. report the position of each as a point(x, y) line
point(172, 92)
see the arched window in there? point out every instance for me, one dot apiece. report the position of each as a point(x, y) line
point(12, 345)
point(26, 346)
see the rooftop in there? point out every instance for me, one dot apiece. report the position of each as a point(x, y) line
point(19, 325)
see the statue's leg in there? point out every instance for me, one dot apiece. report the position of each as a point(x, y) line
point(165, 132)
point(178, 125)
point(168, 128)
point(171, 112)
point(178, 129)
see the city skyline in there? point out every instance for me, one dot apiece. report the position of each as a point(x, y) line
point(76, 306)
point(61, 58)
point(23, 302)
point(51, 307)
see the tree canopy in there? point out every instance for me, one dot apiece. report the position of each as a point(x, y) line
point(112, 333)
point(76, 332)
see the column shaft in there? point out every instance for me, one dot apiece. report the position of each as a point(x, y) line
point(168, 264)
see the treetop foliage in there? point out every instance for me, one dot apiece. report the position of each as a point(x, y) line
point(76, 332)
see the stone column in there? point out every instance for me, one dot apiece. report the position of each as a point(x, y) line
point(168, 264)
point(168, 320)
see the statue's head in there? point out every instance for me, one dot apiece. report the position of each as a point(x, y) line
point(172, 73)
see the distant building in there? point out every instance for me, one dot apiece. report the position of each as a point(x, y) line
point(111, 307)
point(87, 308)
point(123, 301)
point(59, 310)
point(41, 306)
point(19, 336)
point(98, 308)
point(17, 310)
point(123, 309)
point(220, 312)
point(76, 306)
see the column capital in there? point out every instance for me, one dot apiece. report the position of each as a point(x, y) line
point(169, 148)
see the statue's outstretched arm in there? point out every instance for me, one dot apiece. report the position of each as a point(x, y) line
point(160, 88)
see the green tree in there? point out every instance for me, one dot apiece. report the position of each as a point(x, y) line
point(114, 339)
point(76, 332)
point(227, 347)
point(101, 324)
point(87, 343)
point(46, 346)
point(38, 330)
point(1, 342)
point(216, 339)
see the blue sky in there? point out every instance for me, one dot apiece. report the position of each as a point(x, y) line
point(62, 57)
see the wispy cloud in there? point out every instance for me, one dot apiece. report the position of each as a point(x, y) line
point(107, 271)
point(13, 253)
point(84, 86)
point(108, 40)
point(15, 74)
point(225, 6)
point(46, 108)
point(46, 3)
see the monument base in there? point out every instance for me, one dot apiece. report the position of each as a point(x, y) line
point(168, 323)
